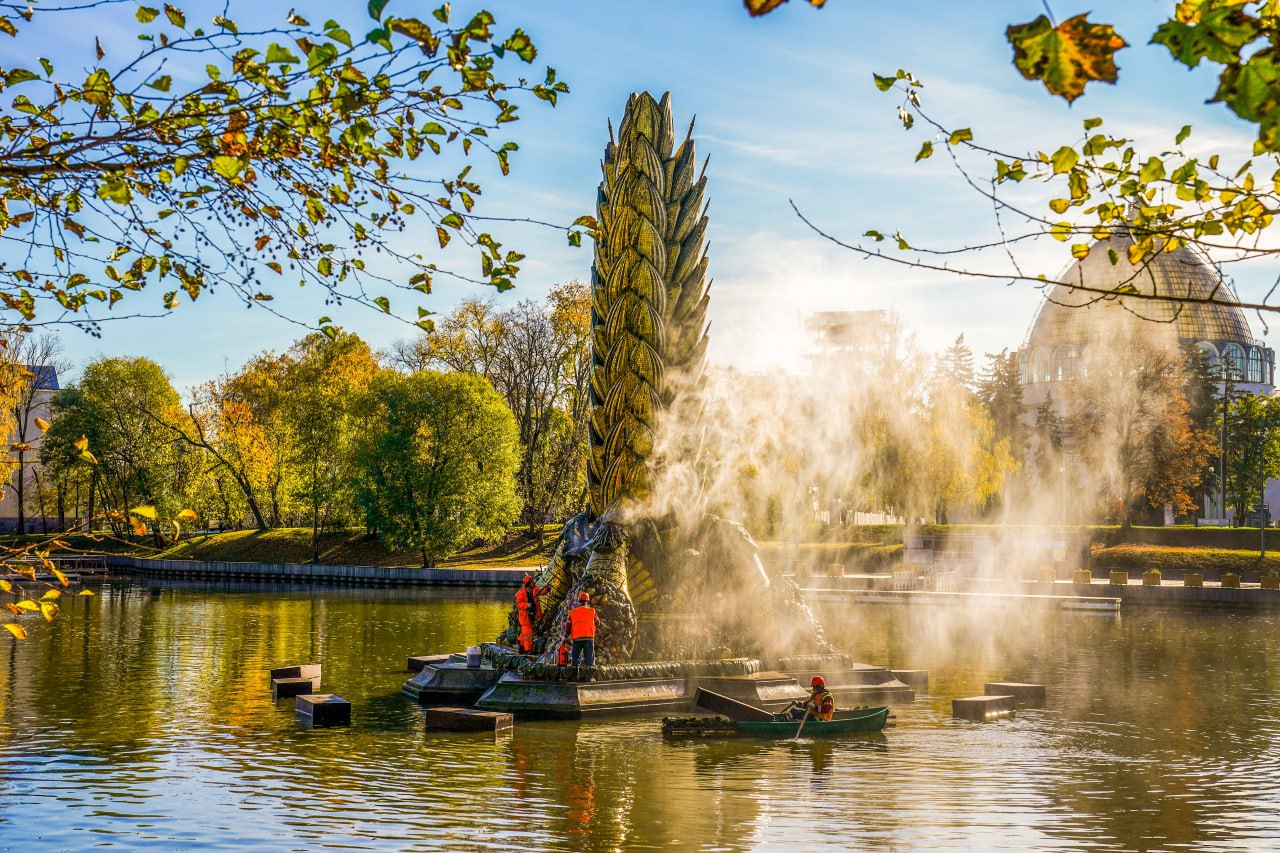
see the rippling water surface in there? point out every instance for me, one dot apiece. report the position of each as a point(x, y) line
point(141, 719)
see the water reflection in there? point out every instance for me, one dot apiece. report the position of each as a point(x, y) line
point(142, 718)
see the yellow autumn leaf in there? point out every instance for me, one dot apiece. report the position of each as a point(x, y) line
point(48, 610)
point(27, 604)
point(138, 527)
point(1065, 57)
point(19, 447)
point(88, 457)
point(187, 514)
point(51, 595)
point(42, 424)
point(12, 608)
point(62, 579)
point(147, 511)
point(5, 586)
point(19, 633)
point(82, 443)
point(85, 592)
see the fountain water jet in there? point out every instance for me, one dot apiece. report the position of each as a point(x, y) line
point(681, 593)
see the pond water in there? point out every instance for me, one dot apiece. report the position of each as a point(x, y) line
point(142, 719)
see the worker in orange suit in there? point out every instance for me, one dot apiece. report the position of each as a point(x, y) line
point(529, 611)
point(583, 623)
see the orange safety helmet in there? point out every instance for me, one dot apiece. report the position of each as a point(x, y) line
point(582, 596)
point(528, 578)
point(818, 682)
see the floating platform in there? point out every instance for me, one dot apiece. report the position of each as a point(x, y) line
point(450, 682)
point(468, 720)
point(1024, 695)
point(322, 709)
point(284, 688)
point(983, 709)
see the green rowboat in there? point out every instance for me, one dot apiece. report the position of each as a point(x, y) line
point(843, 722)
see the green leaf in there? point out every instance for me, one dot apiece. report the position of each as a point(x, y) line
point(884, 84)
point(1091, 123)
point(1152, 170)
point(175, 16)
point(384, 303)
point(1059, 205)
point(874, 235)
point(19, 75)
point(98, 89)
point(6, 26)
point(521, 45)
point(116, 190)
point(964, 134)
point(280, 53)
point(1065, 57)
point(1061, 231)
point(902, 241)
point(926, 151)
point(324, 266)
point(1217, 34)
point(1064, 160)
point(453, 220)
point(161, 83)
point(227, 167)
point(1182, 135)
point(146, 14)
point(375, 9)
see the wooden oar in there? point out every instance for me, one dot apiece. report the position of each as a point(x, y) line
point(807, 708)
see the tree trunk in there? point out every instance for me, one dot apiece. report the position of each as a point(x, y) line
point(93, 483)
point(22, 492)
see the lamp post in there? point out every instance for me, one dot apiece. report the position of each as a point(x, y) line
point(1062, 472)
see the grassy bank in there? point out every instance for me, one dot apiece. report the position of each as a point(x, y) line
point(293, 545)
point(1176, 561)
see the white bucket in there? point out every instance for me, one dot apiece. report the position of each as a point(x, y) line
point(473, 656)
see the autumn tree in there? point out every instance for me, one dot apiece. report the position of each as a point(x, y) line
point(324, 380)
point(205, 153)
point(38, 362)
point(1252, 453)
point(437, 462)
point(1127, 418)
point(125, 408)
point(537, 356)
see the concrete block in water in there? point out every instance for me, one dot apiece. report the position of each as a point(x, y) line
point(468, 720)
point(917, 678)
point(418, 662)
point(1025, 695)
point(983, 708)
point(283, 688)
point(323, 709)
point(306, 670)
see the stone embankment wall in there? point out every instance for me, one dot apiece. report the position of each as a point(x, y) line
point(308, 573)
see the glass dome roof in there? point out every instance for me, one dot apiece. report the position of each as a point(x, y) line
point(1070, 316)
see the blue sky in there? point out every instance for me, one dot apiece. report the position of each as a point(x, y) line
point(786, 110)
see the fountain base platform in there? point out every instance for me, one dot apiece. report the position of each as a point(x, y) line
point(450, 682)
point(453, 682)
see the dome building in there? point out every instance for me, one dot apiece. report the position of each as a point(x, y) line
point(1206, 315)
point(1075, 329)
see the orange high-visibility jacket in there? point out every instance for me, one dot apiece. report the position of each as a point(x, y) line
point(822, 705)
point(582, 622)
point(529, 610)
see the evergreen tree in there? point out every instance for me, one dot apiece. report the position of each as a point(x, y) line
point(1049, 433)
point(955, 366)
point(1000, 391)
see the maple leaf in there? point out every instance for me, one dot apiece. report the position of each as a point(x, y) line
point(1067, 56)
point(763, 7)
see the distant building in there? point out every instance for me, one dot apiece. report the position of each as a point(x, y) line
point(45, 384)
point(1202, 313)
